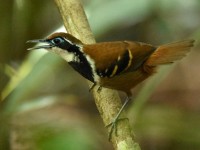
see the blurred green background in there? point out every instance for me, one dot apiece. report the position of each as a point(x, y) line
point(45, 104)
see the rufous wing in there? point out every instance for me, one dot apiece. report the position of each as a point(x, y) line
point(113, 58)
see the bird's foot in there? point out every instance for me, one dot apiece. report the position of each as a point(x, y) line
point(92, 87)
point(99, 89)
point(113, 127)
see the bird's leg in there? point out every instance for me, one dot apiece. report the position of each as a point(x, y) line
point(114, 122)
point(92, 87)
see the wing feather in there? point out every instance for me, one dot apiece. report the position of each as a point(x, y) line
point(113, 58)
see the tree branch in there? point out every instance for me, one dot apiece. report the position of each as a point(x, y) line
point(107, 101)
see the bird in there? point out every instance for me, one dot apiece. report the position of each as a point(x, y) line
point(118, 65)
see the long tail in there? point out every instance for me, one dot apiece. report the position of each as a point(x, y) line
point(169, 53)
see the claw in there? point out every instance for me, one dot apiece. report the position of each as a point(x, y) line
point(116, 119)
point(113, 127)
point(99, 89)
point(92, 87)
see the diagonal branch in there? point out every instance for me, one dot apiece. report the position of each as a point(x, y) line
point(107, 101)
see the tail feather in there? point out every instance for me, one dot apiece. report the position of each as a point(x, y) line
point(169, 53)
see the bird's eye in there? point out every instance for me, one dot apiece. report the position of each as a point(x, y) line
point(57, 40)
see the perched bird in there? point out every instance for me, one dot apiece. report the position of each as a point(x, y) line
point(119, 65)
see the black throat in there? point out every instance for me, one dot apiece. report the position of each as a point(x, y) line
point(80, 64)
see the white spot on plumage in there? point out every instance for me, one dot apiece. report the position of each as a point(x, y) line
point(114, 71)
point(118, 58)
point(69, 57)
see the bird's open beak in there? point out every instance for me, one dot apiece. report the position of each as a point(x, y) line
point(46, 46)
